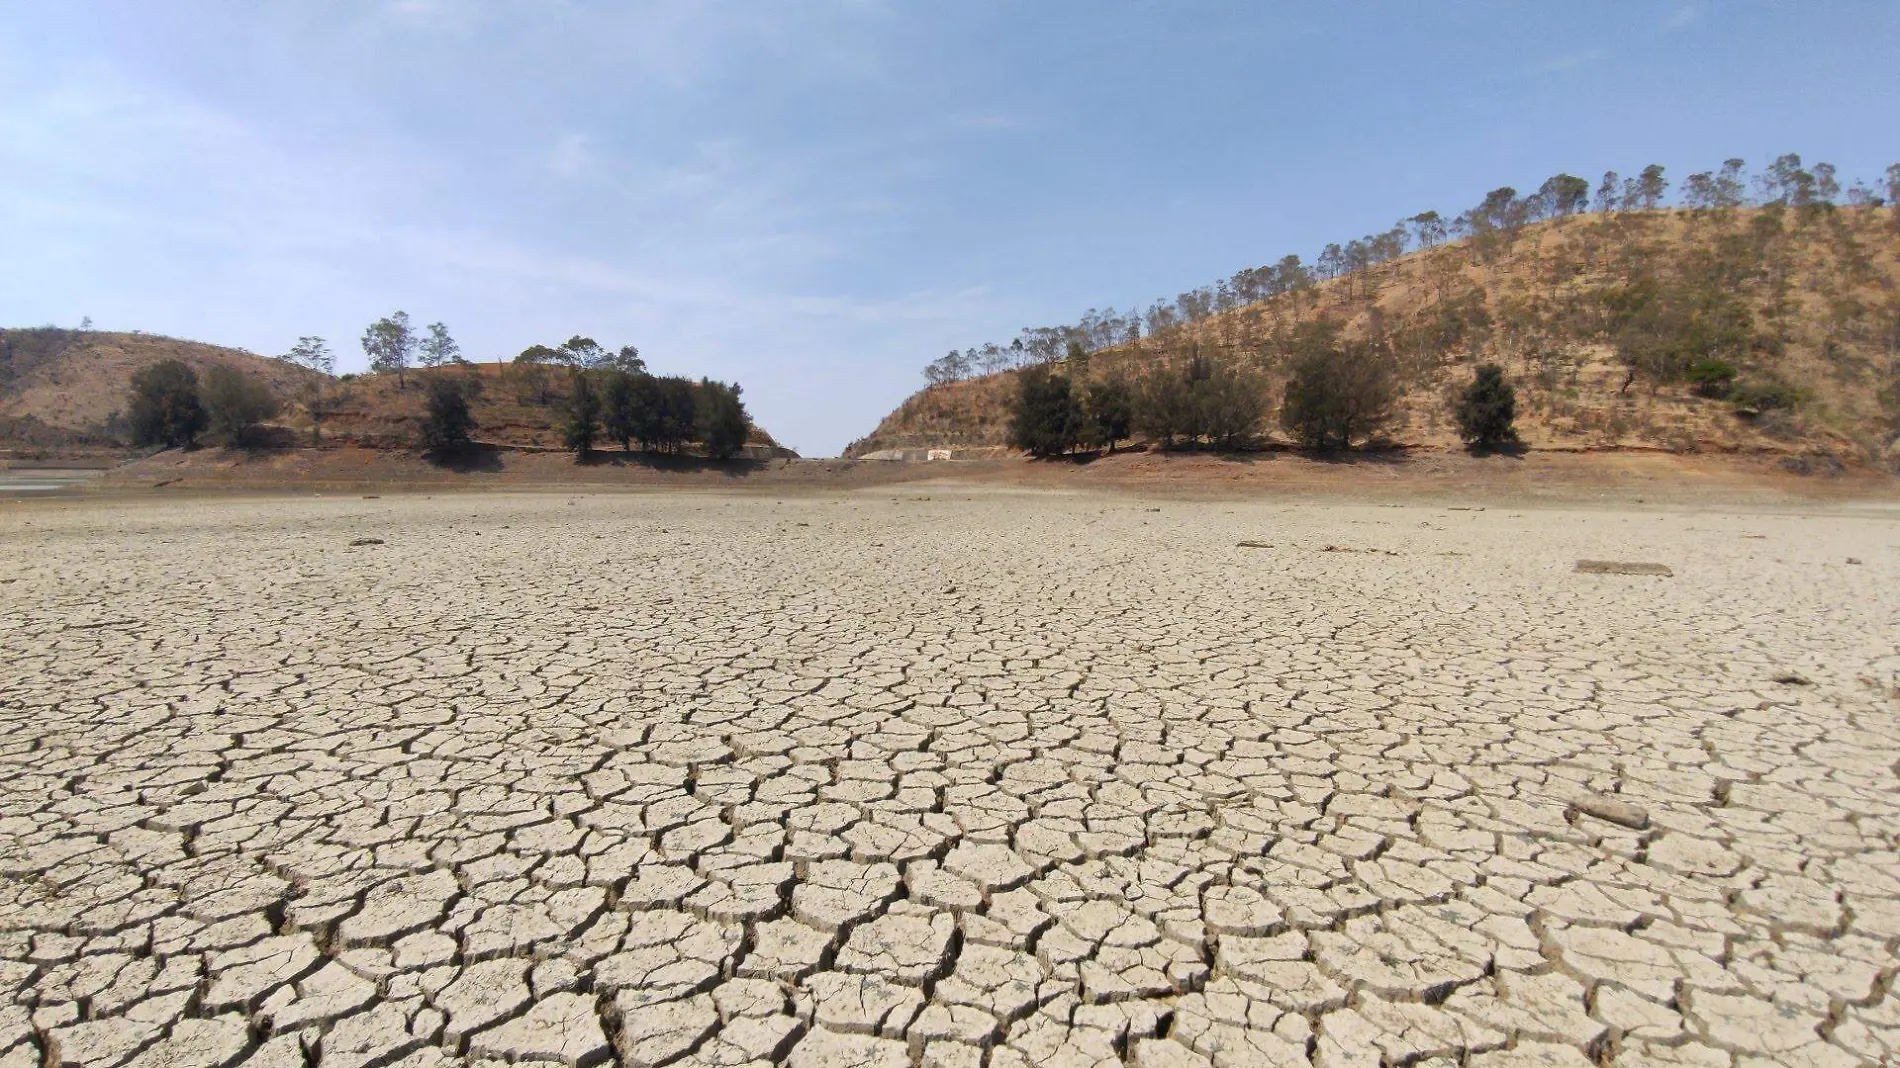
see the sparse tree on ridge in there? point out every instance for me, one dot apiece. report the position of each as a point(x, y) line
point(165, 409)
point(1609, 193)
point(312, 354)
point(390, 344)
point(439, 348)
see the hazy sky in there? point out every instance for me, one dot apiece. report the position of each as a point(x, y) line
point(818, 198)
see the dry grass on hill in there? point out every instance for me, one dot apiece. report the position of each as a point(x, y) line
point(68, 388)
point(1821, 289)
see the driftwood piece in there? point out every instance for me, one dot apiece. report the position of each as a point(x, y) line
point(1622, 567)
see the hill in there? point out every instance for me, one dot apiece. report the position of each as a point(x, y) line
point(61, 388)
point(65, 390)
point(1596, 318)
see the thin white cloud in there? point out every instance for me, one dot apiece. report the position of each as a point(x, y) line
point(571, 155)
point(1681, 17)
point(1570, 62)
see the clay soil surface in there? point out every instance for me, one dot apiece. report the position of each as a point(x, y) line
point(981, 776)
point(1629, 476)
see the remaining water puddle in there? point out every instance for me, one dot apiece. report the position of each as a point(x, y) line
point(20, 482)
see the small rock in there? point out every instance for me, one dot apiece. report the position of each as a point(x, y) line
point(366, 541)
point(1853, 559)
point(1792, 679)
point(1253, 545)
point(1621, 813)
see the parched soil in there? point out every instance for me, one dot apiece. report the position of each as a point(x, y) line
point(976, 777)
point(1633, 476)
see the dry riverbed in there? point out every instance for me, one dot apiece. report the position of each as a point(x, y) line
point(934, 777)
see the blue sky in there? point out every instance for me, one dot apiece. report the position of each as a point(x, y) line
point(818, 198)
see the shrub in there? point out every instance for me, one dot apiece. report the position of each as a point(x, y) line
point(1764, 396)
point(1047, 420)
point(235, 404)
point(165, 406)
point(1711, 378)
point(1487, 410)
point(446, 421)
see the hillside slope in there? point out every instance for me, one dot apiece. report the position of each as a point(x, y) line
point(63, 389)
point(1810, 300)
point(68, 387)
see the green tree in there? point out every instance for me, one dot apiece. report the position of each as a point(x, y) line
point(1337, 393)
point(1487, 410)
point(721, 418)
point(165, 409)
point(1047, 421)
point(390, 344)
point(620, 400)
point(236, 404)
point(531, 375)
point(583, 414)
point(676, 413)
point(447, 422)
point(439, 348)
point(1110, 409)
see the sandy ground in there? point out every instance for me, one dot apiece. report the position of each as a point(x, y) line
point(945, 778)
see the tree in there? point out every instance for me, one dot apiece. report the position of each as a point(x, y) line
point(531, 373)
point(1337, 393)
point(235, 404)
point(721, 418)
point(1893, 186)
point(1427, 229)
point(1650, 188)
point(447, 421)
point(622, 420)
point(1228, 404)
point(390, 344)
point(164, 405)
point(1164, 405)
point(439, 348)
point(1487, 410)
point(1110, 411)
point(1047, 420)
point(583, 352)
point(671, 413)
point(583, 414)
point(312, 354)
point(1564, 194)
point(627, 360)
point(1609, 193)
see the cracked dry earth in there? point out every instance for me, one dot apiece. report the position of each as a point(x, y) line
point(1012, 780)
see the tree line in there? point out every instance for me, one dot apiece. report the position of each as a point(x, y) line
point(1786, 182)
point(1339, 392)
point(609, 395)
